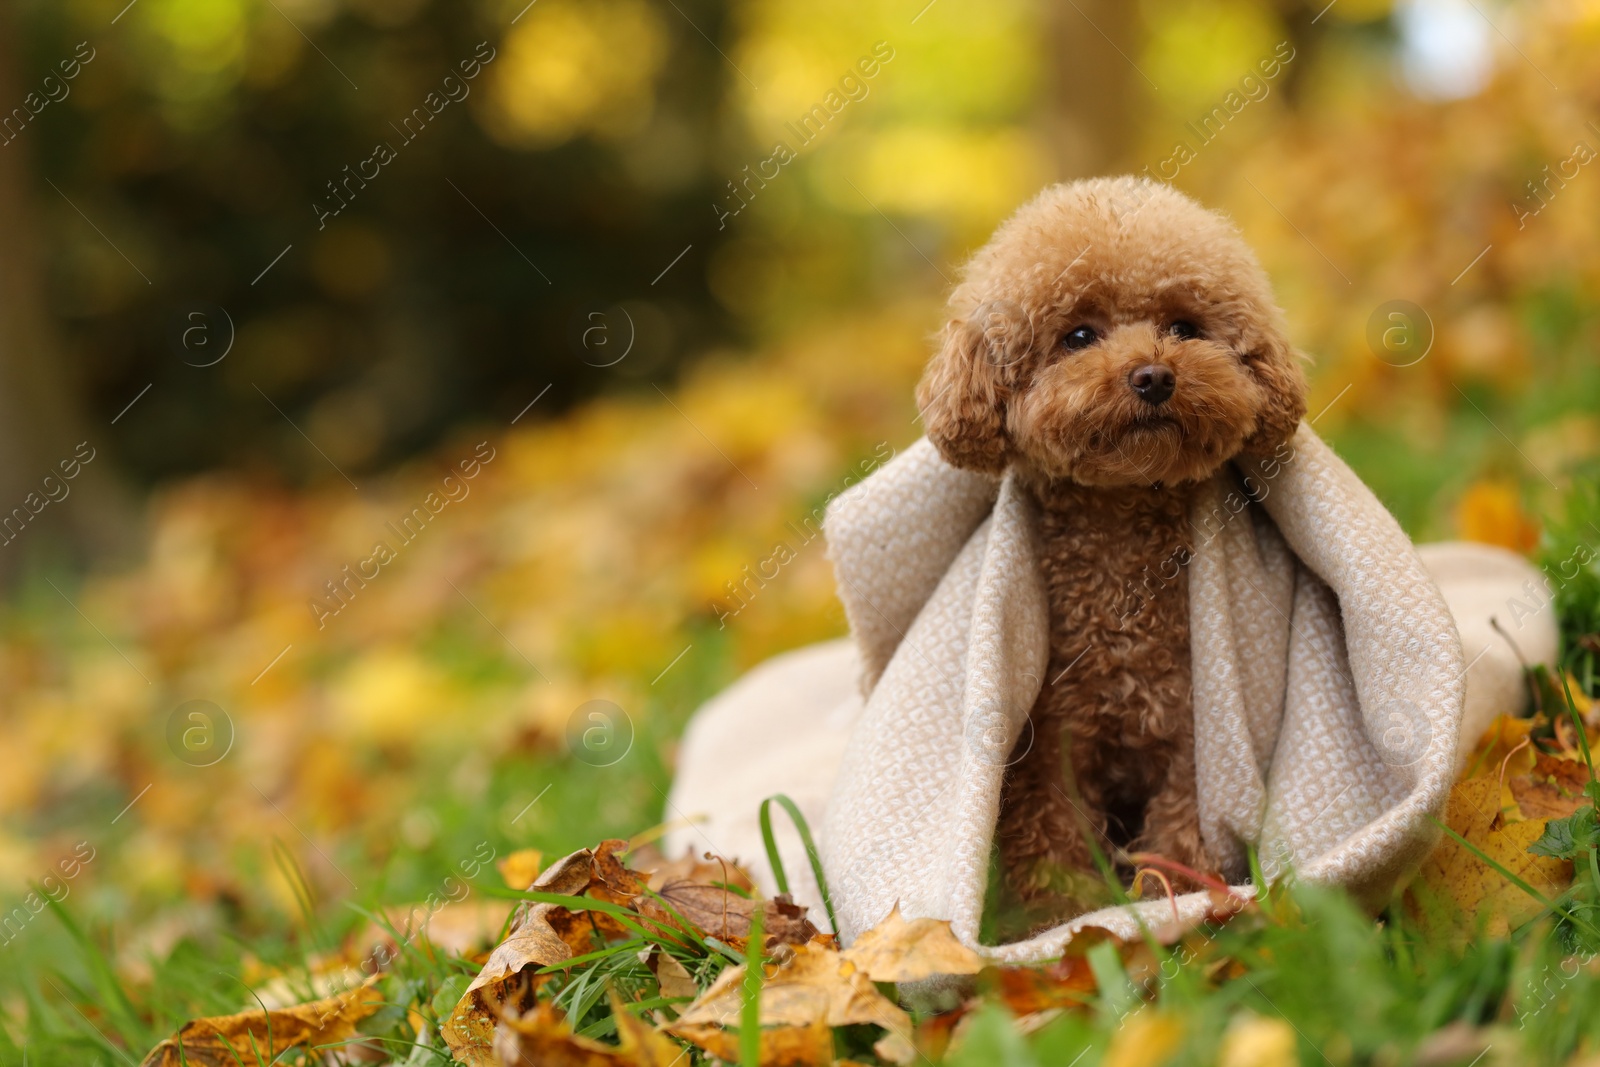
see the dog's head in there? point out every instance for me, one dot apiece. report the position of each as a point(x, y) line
point(1112, 332)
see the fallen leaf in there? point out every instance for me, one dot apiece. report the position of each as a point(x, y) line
point(542, 1038)
point(1253, 1041)
point(1065, 983)
point(1503, 737)
point(671, 976)
point(935, 1032)
point(539, 937)
point(520, 868)
point(226, 1040)
point(1457, 892)
point(1554, 689)
point(1146, 1038)
point(782, 1046)
point(896, 1047)
point(547, 934)
point(726, 915)
point(901, 950)
point(534, 939)
point(612, 879)
point(643, 1044)
point(1552, 790)
point(701, 870)
point(814, 985)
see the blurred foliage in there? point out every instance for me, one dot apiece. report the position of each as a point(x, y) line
point(604, 139)
point(207, 136)
point(592, 557)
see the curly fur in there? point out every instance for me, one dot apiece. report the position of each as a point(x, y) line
point(1111, 752)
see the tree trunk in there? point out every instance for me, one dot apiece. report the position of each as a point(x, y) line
point(1096, 94)
point(41, 424)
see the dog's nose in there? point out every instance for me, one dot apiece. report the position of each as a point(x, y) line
point(1153, 382)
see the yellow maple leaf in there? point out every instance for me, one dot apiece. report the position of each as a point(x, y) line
point(1459, 892)
point(897, 950)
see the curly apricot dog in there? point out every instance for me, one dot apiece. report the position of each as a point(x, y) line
point(1112, 344)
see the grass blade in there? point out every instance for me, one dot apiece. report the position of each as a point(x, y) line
point(804, 830)
point(750, 1010)
point(631, 945)
point(1577, 724)
point(112, 997)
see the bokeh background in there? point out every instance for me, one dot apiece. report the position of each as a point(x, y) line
point(604, 299)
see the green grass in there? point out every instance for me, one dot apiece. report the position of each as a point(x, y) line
point(62, 1000)
point(1353, 990)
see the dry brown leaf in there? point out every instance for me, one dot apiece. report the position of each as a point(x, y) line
point(1066, 983)
point(642, 1044)
point(1457, 892)
point(814, 984)
point(546, 935)
point(535, 939)
point(1553, 789)
point(672, 976)
point(520, 868)
point(540, 936)
point(726, 915)
point(901, 950)
point(783, 1046)
point(612, 879)
point(689, 867)
point(542, 1038)
point(226, 1040)
point(934, 1033)
point(895, 1047)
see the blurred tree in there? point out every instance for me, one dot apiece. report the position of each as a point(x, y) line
point(41, 422)
point(1096, 94)
point(389, 261)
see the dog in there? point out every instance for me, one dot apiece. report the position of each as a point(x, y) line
point(1112, 345)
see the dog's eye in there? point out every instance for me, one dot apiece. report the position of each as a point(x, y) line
point(1184, 330)
point(1079, 337)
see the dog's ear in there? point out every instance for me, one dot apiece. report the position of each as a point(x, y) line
point(962, 398)
point(1278, 368)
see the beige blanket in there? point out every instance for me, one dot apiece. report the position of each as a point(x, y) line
point(1329, 687)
